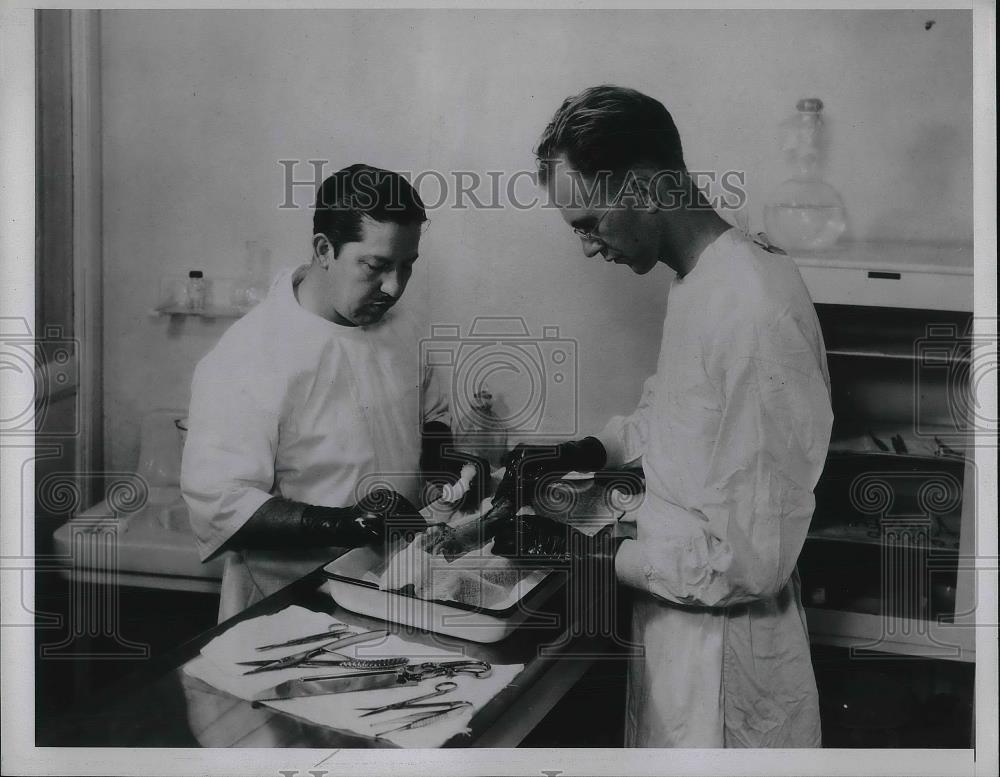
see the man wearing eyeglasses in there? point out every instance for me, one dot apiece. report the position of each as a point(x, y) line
point(732, 432)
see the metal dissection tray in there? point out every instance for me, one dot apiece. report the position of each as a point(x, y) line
point(352, 582)
point(587, 502)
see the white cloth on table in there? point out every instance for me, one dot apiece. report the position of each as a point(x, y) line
point(733, 431)
point(217, 666)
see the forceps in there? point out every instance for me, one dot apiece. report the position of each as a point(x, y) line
point(426, 712)
point(333, 630)
point(310, 655)
point(439, 690)
point(418, 719)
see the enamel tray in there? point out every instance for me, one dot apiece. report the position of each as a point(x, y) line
point(349, 580)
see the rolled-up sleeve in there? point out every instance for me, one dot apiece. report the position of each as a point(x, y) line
point(757, 500)
point(227, 470)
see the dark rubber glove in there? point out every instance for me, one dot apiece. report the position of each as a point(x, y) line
point(541, 540)
point(380, 517)
point(529, 464)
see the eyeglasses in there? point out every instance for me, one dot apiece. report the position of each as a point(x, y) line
point(590, 235)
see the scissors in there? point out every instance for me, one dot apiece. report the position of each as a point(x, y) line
point(332, 630)
point(428, 669)
point(305, 656)
point(439, 690)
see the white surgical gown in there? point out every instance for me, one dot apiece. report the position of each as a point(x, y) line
point(293, 405)
point(733, 431)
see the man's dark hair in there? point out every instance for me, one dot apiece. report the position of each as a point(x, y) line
point(358, 191)
point(610, 128)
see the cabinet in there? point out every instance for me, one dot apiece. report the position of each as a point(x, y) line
point(888, 564)
point(917, 276)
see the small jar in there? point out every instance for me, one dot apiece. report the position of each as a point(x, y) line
point(196, 291)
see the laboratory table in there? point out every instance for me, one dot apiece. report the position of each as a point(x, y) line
point(161, 706)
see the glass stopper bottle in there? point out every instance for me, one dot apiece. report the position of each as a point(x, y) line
point(805, 213)
point(195, 291)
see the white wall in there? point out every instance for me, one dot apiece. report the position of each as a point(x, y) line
point(200, 106)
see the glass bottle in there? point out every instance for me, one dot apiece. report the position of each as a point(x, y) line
point(195, 291)
point(805, 213)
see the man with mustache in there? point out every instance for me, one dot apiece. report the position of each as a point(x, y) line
point(311, 419)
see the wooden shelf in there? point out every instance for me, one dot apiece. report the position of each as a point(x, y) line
point(867, 633)
point(928, 339)
point(859, 536)
point(224, 297)
point(948, 636)
point(875, 353)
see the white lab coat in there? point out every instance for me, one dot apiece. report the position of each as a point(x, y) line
point(733, 432)
point(290, 404)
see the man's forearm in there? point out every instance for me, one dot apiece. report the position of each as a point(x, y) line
point(283, 523)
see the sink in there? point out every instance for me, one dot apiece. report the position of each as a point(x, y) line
point(153, 547)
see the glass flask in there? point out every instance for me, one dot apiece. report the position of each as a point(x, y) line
point(805, 213)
